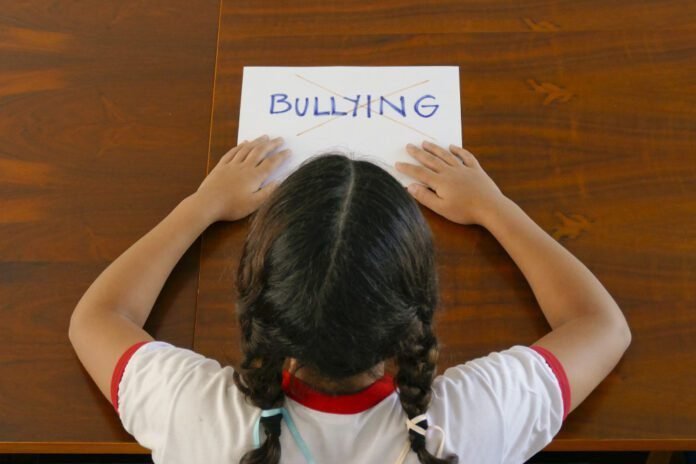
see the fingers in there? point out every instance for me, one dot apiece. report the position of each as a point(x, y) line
point(425, 196)
point(419, 173)
point(227, 157)
point(439, 152)
point(425, 158)
point(466, 156)
point(270, 163)
point(245, 148)
point(257, 154)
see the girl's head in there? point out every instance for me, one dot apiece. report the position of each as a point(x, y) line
point(337, 272)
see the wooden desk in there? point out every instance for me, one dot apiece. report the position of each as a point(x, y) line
point(104, 118)
point(589, 128)
point(583, 112)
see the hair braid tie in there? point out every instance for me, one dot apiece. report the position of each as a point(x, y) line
point(417, 427)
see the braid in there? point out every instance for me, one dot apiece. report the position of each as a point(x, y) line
point(260, 381)
point(417, 360)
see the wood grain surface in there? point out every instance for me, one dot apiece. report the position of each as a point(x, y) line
point(104, 128)
point(254, 18)
point(584, 113)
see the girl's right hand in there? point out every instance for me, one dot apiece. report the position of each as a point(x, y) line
point(456, 186)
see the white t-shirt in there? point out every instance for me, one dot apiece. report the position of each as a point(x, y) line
point(501, 408)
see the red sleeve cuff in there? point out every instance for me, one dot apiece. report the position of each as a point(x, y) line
point(118, 371)
point(559, 372)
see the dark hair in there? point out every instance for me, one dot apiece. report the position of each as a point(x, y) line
point(337, 271)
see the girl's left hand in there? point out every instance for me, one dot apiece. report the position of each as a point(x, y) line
point(231, 189)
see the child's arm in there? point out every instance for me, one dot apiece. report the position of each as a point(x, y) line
point(110, 315)
point(589, 333)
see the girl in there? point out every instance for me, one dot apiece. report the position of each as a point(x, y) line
point(337, 277)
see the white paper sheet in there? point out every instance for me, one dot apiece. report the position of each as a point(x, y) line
point(305, 106)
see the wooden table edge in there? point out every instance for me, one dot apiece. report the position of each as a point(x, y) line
point(648, 444)
point(76, 447)
point(556, 445)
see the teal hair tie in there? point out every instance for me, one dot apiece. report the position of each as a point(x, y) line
point(291, 426)
point(264, 413)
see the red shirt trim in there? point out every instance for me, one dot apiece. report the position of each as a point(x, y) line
point(351, 403)
point(560, 374)
point(118, 371)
